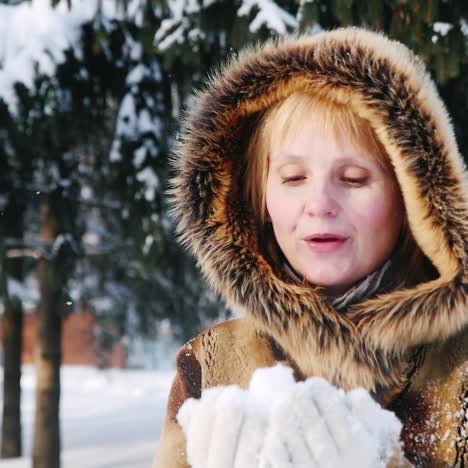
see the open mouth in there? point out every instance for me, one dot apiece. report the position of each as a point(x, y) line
point(325, 243)
point(325, 238)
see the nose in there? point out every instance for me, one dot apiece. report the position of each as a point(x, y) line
point(320, 202)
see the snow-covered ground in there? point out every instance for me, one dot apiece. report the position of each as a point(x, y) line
point(110, 418)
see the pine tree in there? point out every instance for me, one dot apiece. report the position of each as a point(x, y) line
point(436, 30)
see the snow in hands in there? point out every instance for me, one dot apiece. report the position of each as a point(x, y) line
point(280, 423)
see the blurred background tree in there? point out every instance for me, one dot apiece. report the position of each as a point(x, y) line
point(87, 127)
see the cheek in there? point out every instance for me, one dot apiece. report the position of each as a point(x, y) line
point(381, 214)
point(279, 209)
point(374, 217)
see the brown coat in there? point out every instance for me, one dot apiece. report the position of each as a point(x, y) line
point(431, 401)
point(408, 347)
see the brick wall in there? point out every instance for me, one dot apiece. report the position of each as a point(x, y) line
point(80, 343)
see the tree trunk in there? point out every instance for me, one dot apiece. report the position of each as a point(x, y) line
point(46, 453)
point(52, 275)
point(12, 325)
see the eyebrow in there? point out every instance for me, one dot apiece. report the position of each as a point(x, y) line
point(283, 159)
point(286, 158)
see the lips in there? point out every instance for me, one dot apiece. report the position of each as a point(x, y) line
point(325, 242)
point(326, 237)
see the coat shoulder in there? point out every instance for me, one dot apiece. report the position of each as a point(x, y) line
point(446, 359)
point(228, 353)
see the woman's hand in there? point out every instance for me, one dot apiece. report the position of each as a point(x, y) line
point(223, 429)
point(279, 423)
point(319, 426)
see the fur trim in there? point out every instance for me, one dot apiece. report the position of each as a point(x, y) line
point(386, 84)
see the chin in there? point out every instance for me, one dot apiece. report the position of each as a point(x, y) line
point(330, 283)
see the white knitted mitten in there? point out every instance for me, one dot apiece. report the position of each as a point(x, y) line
point(279, 423)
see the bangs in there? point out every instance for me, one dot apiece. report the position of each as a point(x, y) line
point(289, 116)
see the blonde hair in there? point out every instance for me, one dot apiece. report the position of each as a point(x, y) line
point(282, 119)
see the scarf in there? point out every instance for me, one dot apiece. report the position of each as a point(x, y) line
point(385, 279)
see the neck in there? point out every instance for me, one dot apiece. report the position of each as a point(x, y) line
point(384, 279)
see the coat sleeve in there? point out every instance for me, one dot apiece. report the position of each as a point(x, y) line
point(187, 384)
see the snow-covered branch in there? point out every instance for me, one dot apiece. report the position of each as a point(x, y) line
point(37, 248)
point(269, 14)
point(23, 253)
point(33, 39)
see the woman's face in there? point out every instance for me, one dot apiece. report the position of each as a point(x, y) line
point(336, 213)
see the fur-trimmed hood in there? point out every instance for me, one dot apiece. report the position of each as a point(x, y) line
point(386, 84)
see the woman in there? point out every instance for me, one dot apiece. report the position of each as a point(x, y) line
point(320, 187)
